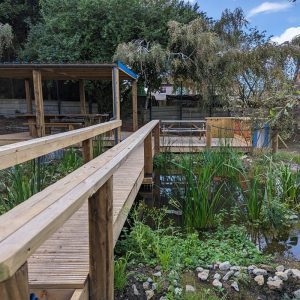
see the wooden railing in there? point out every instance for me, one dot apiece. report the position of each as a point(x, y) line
point(26, 227)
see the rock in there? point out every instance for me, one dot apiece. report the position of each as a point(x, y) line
point(157, 268)
point(288, 272)
point(251, 268)
point(293, 217)
point(217, 283)
point(157, 274)
point(209, 266)
point(260, 272)
point(228, 275)
point(199, 269)
point(146, 285)
point(225, 266)
point(280, 268)
point(203, 275)
point(295, 273)
point(235, 286)
point(282, 275)
point(163, 298)
point(217, 276)
point(235, 268)
point(135, 290)
point(259, 279)
point(149, 294)
point(154, 286)
point(275, 284)
point(297, 294)
point(149, 280)
point(237, 273)
point(190, 289)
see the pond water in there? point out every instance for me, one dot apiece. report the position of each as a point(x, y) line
point(284, 242)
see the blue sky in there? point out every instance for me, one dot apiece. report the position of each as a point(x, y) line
point(279, 18)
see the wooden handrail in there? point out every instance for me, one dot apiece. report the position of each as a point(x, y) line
point(17, 153)
point(35, 220)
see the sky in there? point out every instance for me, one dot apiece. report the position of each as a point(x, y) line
point(280, 19)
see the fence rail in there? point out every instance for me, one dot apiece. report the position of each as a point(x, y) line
point(35, 220)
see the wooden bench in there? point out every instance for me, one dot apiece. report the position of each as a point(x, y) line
point(67, 125)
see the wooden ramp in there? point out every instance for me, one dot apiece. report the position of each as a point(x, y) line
point(62, 262)
point(59, 243)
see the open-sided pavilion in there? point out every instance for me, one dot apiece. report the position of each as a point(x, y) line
point(116, 72)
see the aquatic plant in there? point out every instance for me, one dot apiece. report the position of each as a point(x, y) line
point(201, 199)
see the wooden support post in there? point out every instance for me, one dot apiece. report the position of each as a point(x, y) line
point(39, 103)
point(82, 97)
point(208, 136)
point(134, 106)
point(101, 273)
point(156, 132)
point(274, 140)
point(28, 96)
point(87, 146)
point(116, 100)
point(148, 158)
point(16, 287)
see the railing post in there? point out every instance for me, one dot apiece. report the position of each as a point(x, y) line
point(101, 275)
point(156, 132)
point(87, 146)
point(208, 136)
point(148, 157)
point(16, 287)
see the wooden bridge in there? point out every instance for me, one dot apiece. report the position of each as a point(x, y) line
point(59, 243)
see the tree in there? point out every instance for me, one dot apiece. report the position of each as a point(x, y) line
point(6, 37)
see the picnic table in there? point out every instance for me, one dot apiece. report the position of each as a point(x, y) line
point(67, 121)
point(190, 126)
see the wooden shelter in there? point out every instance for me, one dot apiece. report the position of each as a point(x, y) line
point(38, 72)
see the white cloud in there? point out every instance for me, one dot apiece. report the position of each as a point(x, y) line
point(287, 35)
point(268, 7)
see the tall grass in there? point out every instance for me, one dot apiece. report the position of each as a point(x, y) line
point(201, 199)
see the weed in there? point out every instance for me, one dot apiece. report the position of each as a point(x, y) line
point(120, 273)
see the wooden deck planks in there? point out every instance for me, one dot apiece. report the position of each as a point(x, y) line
point(62, 261)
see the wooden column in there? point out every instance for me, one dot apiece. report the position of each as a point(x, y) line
point(101, 273)
point(208, 136)
point(28, 96)
point(82, 97)
point(16, 287)
point(274, 140)
point(156, 132)
point(39, 103)
point(134, 106)
point(116, 100)
point(87, 148)
point(148, 158)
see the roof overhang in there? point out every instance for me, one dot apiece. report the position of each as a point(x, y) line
point(66, 71)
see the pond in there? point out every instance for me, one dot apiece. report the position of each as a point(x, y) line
point(282, 242)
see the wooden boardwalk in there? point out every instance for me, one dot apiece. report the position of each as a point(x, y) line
point(59, 244)
point(61, 264)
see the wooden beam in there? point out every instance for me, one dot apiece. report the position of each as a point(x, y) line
point(28, 96)
point(156, 133)
point(208, 136)
point(82, 97)
point(101, 274)
point(16, 287)
point(17, 153)
point(116, 100)
point(39, 102)
point(87, 146)
point(134, 106)
point(148, 157)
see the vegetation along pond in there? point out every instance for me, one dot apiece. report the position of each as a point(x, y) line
point(216, 225)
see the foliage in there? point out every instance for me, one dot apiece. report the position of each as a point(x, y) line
point(70, 161)
point(120, 274)
point(6, 37)
point(187, 250)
